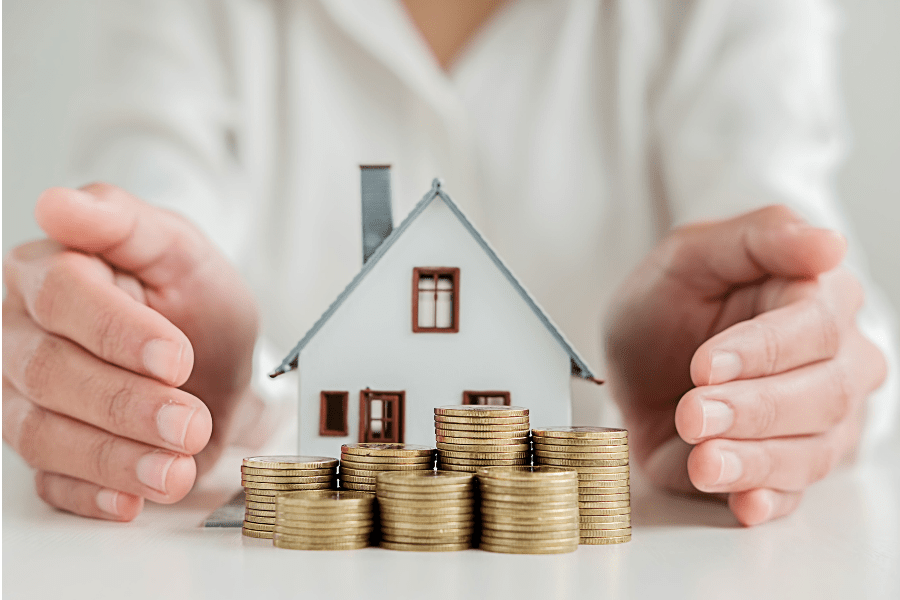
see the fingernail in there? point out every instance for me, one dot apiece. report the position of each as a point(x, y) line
point(108, 501)
point(152, 470)
point(172, 422)
point(717, 417)
point(162, 359)
point(724, 366)
point(732, 468)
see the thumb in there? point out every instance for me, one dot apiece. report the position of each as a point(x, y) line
point(154, 245)
point(773, 241)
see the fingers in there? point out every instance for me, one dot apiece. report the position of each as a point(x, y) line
point(79, 297)
point(713, 257)
point(808, 400)
point(762, 505)
point(85, 498)
point(62, 377)
point(155, 245)
point(55, 443)
point(808, 329)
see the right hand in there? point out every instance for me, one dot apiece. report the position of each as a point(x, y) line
point(126, 335)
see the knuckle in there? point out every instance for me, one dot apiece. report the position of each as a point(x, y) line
point(51, 289)
point(41, 486)
point(830, 330)
point(107, 333)
point(842, 395)
point(822, 463)
point(31, 442)
point(41, 365)
point(101, 454)
point(765, 417)
point(117, 401)
point(769, 344)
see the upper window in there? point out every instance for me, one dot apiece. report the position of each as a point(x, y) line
point(333, 413)
point(435, 300)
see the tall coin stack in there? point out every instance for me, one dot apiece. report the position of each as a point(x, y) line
point(361, 463)
point(426, 511)
point(529, 510)
point(326, 520)
point(264, 477)
point(600, 455)
point(472, 436)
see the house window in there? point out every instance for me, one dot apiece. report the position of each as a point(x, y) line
point(486, 398)
point(333, 413)
point(381, 416)
point(435, 300)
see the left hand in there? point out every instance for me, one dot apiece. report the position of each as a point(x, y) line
point(735, 356)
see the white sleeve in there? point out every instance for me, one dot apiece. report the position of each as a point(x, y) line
point(749, 115)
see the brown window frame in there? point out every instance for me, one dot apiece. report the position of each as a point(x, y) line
point(323, 409)
point(399, 419)
point(453, 272)
point(468, 394)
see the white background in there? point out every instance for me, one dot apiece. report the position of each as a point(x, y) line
point(45, 46)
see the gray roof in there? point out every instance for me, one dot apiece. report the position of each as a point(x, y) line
point(579, 367)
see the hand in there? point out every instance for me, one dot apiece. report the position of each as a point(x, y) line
point(126, 335)
point(736, 360)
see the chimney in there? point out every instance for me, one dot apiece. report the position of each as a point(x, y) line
point(377, 222)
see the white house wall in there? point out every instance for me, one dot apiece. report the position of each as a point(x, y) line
point(368, 342)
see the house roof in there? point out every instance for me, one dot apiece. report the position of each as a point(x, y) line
point(579, 367)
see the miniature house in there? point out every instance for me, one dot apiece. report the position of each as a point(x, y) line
point(433, 318)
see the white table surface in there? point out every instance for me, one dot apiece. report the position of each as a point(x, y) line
point(844, 542)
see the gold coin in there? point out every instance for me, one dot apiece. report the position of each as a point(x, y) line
point(396, 450)
point(568, 462)
point(291, 545)
point(325, 526)
point(432, 489)
point(606, 518)
point(273, 479)
point(525, 528)
point(449, 503)
point(489, 448)
point(519, 455)
point(457, 468)
point(482, 420)
point(602, 541)
point(586, 533)
point(530, 499)
point(528, 473)
point(258, 526)
point(575, 451)
point(485, 440)
point(588, 506)
point(604, 483)
point(254, 533)
point(437, 547)
point(531, 542)
point(325, 499)
point(482, 462)
point(288, 472)
point(424, 478)
point(590, 527)
point(425, 496)
point(440, 539)
point(603, 520)
point(481, 437)
point(364, 466)
point(258, 519)
point(600, 513)
point(290, 462)
point(490, 503)
point(582, 455)
point(388, 460)
point(468, 410)
point(253, 486)
point(580, 431)
point(319, 537)
point(483, 426)
point(262, 506)
point(358, 487)
point(488, 513)
point(604, 497)
point(413, 528)
point(518, 549)
point(326, 517)
point(261, 495)
point(527, 488)
point(260, 513)
point(357, 479)
point(502, 536)
point(582, 470)
point(288, 529)
point(435, 513)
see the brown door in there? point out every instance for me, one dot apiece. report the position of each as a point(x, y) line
point(381, 416)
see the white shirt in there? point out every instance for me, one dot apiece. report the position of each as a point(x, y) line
point(573, 133)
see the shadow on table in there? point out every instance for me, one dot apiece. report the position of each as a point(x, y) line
point(654, 508)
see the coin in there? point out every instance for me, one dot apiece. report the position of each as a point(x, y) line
point(461, 495)
point(288, 472)
point(255, 485)
point(528, 473)
point(272, 479)
point(325, 498)
point(258, 526)
point(568, 462)
point(424, 547)
point(594, 494)
point(432, 510)
point(582, 455)
point(500, 455)
point(358, 479)
point(388, 460)
point(519, 549)
point(467, 410)
point(524, 528)
point(503, 536)
point(256, 533)
point(446, 440)
point(425, 478)
point(353, 464)
point(527, 501)
point(482, 420)
point(585, 527)
point(259, 519)
point(359, 487)
point(573, 451)
point(604, 497)
point(600, 541)
point(582, 470)
point(488, 513)
point(600, 513)
point(590, 478)
point(588, 506)
point(413, 528)
point(260, 513)
point(324, 532)
point(482, 426)
point(603, 511)
point(452, 436)
point(490, 448)
point(586, 533)
point(261, 506)
point(457, 468)
point(289, 544)
point(261, 495)
point(580, 431)
point(482, 462)
point(394, 450)
point(290, 462)
point(399, 503)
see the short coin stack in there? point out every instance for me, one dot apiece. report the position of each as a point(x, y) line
point(426, 511)
point(529, 510)
point(326, 520)
point(361, 463)
point(472, 436)
point(600, 455)
point(264, 477)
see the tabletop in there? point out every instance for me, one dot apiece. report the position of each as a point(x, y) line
point(843, 542)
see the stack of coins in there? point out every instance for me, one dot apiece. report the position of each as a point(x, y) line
point(426, 511)
point(328, 520)
point(264, 477)
point(361, 463)
point(529, 510)
point(472, 436)
point(600, 455)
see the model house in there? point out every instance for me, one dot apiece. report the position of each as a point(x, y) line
point(433, 318)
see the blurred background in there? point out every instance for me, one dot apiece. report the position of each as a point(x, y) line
point(45, 49)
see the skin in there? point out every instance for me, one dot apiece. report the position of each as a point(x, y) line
point(128, 338)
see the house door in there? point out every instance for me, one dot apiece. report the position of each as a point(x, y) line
point(381, 416)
